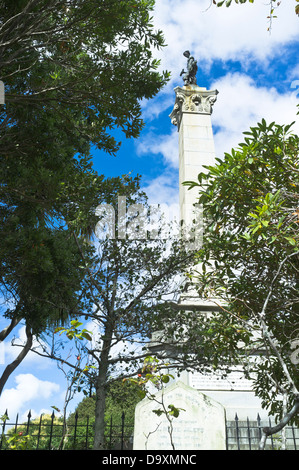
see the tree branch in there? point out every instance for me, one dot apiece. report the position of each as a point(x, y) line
point(288, 416)
point(6, 331)
point(13, 365)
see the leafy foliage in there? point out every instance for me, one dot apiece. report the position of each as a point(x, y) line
point(73, 71)
point(37, 435)
point(228, 3)
point(273, 5)
point(81, 66)
point(152, 373)
point(73, 331)
point(250, 257)
point(127, 282)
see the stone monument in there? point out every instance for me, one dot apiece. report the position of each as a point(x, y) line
point(192, 115)
point(207, 399)
point(199, 426)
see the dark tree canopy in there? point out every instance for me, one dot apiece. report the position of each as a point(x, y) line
point(73, 72)
point(250, 258)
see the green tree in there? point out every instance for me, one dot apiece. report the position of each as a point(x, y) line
point(249, 261)
point(73, 71)
point(83, 66)
point(129, 281)
point(273, 5)
point(42, 433)
point(121, 398)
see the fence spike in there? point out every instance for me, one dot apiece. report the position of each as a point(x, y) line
point(236, 435)
point(248, 433)
point(16, 423)
point(237, 431)
point(258, 419)
point(28, 422)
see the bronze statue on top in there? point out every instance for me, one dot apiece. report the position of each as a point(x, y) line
point(189, 76)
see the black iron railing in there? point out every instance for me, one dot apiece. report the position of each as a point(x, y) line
point(246, 435)
point(52, 432)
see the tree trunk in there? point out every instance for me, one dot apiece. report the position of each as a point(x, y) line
point(6, 331)
point(288, 416)
point(13, 365)
point(99, 430)
point(101, 389)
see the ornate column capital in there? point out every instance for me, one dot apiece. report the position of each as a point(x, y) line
point(192, 99)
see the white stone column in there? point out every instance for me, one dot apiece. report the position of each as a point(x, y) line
point(192, 115)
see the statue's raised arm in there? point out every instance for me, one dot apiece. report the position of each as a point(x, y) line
point(189, 77)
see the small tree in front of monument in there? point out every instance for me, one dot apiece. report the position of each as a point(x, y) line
point(250, 262)
point(153, 375)
point(128, 282)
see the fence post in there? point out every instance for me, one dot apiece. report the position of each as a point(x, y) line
point(248, 432)
point(110, 434)
point(122, 430)
point(259, 425)
point(86, 434)
point(51, 429)
point(28, 422)
point(237, 431)
point(16, 423)
point(294, 437)
point(39, 430)
point(75, 430)
point(226, 433)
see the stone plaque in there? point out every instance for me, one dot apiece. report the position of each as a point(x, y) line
point(201, 426)
point(235, 380)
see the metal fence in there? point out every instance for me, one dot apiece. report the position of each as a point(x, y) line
point(246, 435)
point(50, 432)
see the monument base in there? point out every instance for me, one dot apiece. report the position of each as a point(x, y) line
point(199, 426)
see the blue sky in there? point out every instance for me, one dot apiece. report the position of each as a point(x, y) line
point(257, 76)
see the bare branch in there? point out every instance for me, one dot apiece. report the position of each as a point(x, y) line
point(13, 365)
point(285, 420)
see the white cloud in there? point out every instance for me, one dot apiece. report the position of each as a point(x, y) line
point(164, 190)
point(238, 32)
point(164, 144)
point(151, 109)
point(235, 33)
point(241, 104)
point(28, 388)
point(294, 75)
